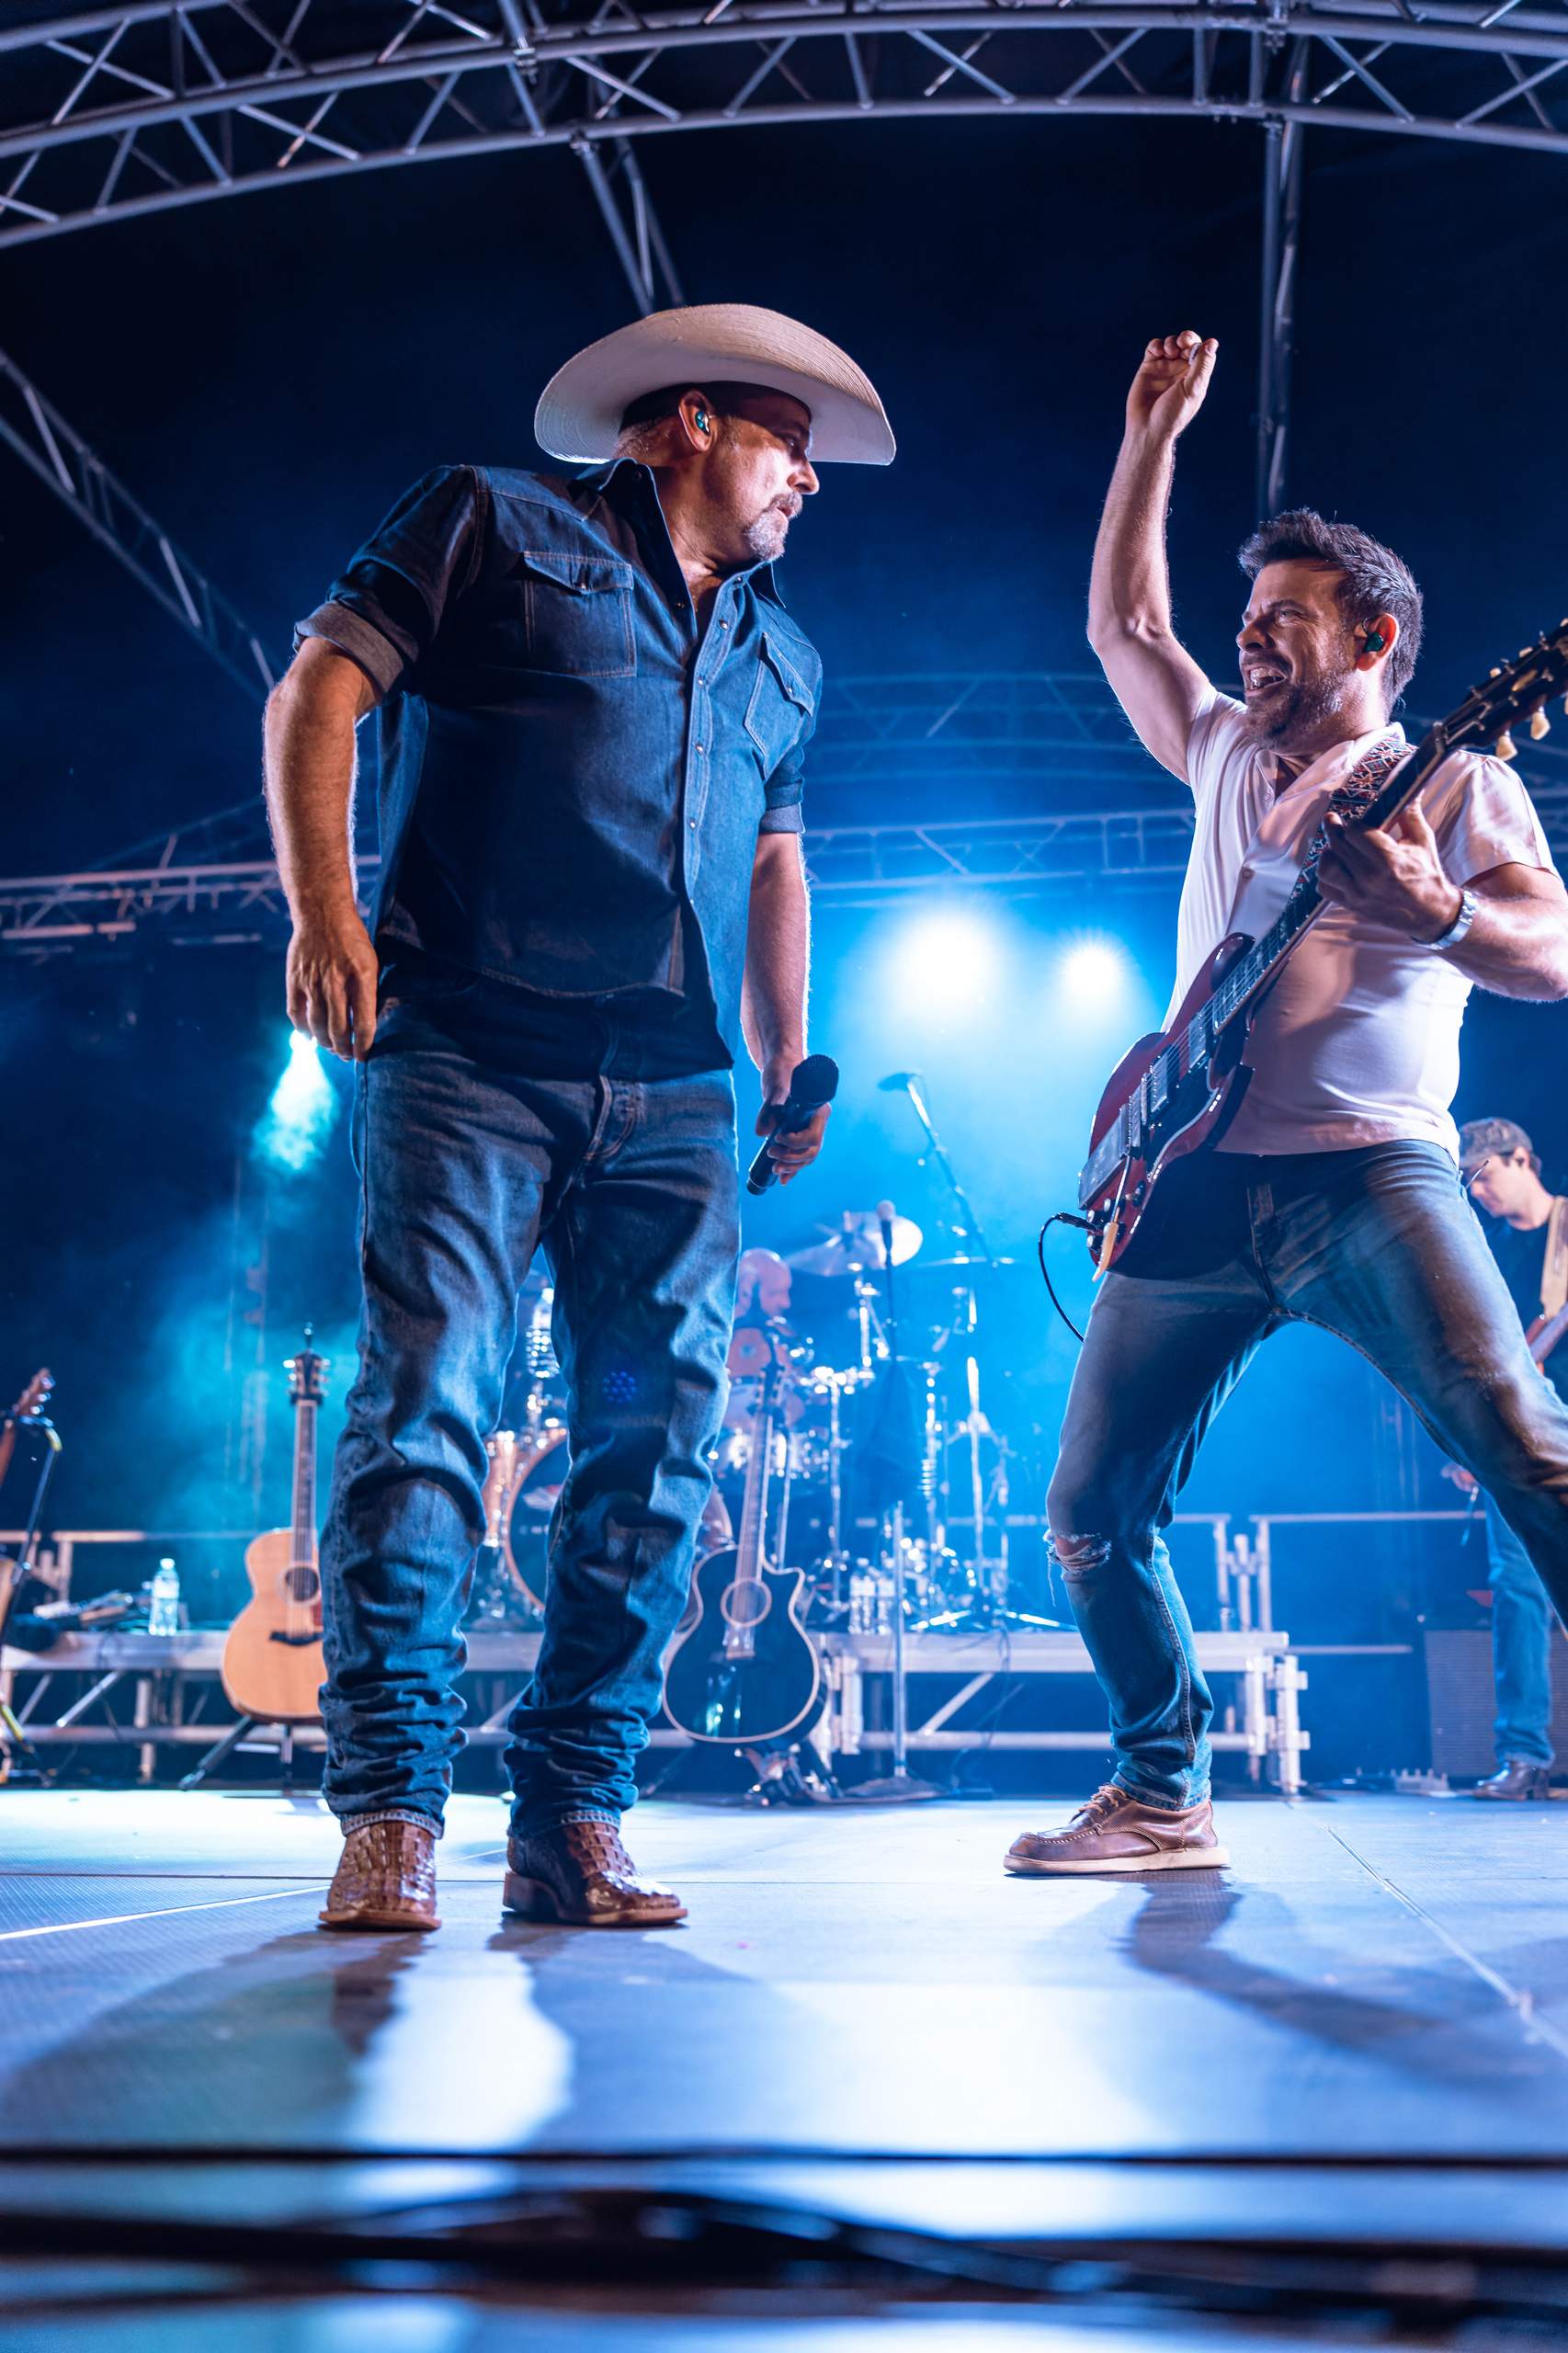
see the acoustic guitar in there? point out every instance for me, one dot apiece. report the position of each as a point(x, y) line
point(742, 1670)
point(272, 1665)
point(1179, 1090)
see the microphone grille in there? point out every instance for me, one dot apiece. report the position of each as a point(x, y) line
point(815, 1080)
point(885, 1213)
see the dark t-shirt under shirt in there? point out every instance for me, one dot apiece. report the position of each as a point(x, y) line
point(1520, 1252)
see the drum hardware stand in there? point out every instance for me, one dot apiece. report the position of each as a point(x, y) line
point(13, 1570)
point(899, 1787)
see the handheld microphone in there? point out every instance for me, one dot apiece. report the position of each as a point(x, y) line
point(815, 1082)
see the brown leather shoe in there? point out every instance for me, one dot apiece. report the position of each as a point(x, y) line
point(1116, 1832)
point(581, 1875)
point(1518, 1782)
point(386, 1879)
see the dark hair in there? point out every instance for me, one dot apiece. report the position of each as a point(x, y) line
point(1372, 579)
point(654, 405)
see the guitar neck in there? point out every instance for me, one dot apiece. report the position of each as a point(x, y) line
point(303, 1530)
point(753, 1502)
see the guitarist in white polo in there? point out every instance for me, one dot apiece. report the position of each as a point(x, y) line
point(1333, 1195)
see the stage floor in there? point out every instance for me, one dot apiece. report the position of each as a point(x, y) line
point(1359, 2029)
point(1372, 1978)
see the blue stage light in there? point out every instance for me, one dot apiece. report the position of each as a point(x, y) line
point(300, 1116)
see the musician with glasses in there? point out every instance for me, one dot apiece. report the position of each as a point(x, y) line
point(1529, 1235)
point(1332, 1198)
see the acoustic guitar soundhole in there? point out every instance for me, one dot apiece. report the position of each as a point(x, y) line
point(746, 1605)
point(301, 1585)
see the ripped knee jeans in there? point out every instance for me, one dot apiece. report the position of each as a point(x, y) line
point(1128, 1607)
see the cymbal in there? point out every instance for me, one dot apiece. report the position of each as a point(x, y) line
point(856, 1248)
point(936, 1265)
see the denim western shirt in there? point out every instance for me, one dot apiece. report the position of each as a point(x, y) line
point(572, 774)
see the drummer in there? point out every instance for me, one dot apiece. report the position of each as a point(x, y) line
point(763, 1280)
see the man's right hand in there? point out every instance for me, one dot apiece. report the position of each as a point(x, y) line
point(1168, 390)
point(332, 975)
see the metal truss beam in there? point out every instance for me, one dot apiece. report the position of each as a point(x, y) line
point(106, 113)
point(61, 459)
point(1045, 735)
point(1283, 156)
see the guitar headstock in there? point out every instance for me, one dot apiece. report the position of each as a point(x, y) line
point(307, 1375)
point(1516, 694)
point(33, 1399)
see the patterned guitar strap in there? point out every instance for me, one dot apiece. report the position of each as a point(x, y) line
point(1350, 798)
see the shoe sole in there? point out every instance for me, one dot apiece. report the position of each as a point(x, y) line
point(387, 1923)
point(531, 1899)
point(1209, 1858)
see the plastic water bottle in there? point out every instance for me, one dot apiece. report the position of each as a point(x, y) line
point(163, 1616)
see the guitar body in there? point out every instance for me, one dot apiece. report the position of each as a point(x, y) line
point(272, 1667)
point(1195, 1112)
point(272, 1664)
point(742, 1669)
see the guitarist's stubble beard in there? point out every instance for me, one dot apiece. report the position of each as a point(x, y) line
point(1303, 716)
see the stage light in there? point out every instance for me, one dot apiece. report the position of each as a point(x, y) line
point(949, 957)
point(300, 1116)
point(1094, 971)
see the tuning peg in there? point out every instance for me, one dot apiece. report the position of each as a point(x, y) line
point(1506, 747)
point(1495, 673)
point(1540, 725)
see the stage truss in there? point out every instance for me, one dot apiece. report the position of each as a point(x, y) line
point(1098, 811)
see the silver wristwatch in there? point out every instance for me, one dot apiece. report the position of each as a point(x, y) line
point(1470, 907)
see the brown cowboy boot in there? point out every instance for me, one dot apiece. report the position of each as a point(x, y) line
point(387, 1876)
point(580, 1874)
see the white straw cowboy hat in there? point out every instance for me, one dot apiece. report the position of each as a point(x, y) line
point(579, 413)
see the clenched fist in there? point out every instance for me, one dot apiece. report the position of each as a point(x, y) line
point(332, 975)
point(1168, 390)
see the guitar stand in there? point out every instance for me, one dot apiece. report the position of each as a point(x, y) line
point(782, 1779)
point(223, 1749)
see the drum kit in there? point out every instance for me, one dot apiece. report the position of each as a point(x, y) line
point(887, 1483)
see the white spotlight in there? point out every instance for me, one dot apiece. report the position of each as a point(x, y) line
point(299, 1115)
point(950, 956)
point(1094, 971)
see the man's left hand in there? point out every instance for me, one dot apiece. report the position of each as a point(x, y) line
point(792, 1152)
point(1390, 874)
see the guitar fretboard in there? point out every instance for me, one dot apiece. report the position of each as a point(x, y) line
point(303, 1531)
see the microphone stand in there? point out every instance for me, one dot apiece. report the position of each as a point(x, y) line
point(971, 1229)
point(988, 1607)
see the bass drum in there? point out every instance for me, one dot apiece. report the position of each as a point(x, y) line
point(529, 1511)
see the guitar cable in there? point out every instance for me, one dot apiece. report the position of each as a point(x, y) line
point(1059, 1217)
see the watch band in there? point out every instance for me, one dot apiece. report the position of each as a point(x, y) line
point(1470, 907)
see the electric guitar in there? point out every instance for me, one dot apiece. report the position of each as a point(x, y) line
point(1544, 1334)
point(742, 1670)
point(1180, 1089)
point(28, 1407)
point(272, 1667)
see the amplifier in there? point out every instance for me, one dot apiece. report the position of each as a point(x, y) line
point(1463, 1706)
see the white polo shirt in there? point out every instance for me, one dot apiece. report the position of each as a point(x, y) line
point(1359, 1041)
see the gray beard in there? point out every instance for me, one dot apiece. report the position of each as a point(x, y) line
point(765, 538)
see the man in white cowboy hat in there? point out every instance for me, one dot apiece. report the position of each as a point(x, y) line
point(593, 710)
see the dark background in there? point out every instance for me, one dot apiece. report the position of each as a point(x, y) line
point(268, 374)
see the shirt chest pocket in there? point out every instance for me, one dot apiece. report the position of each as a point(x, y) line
point(782, 707)
point(577, 616)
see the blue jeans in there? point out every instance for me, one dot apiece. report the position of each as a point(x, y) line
point(1377, 1245)
point(1521, 1646)
point(467, 1156)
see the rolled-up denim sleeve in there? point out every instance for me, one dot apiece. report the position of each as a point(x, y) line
point(386, 610)
point(785, 788)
